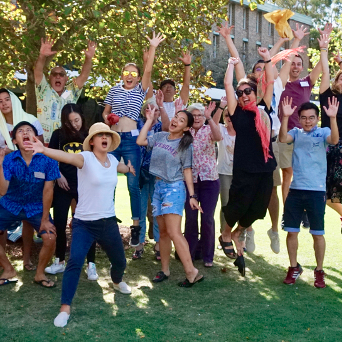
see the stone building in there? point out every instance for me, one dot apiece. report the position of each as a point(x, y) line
point(251, 30)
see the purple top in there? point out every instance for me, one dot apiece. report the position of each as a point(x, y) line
point(300, 91)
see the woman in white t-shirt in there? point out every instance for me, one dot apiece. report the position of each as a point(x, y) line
point(94, 218)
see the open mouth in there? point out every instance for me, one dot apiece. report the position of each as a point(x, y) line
point(58, 83)
point(26, 139)
point(104, 144)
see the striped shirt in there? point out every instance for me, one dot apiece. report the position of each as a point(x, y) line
point(126, 102)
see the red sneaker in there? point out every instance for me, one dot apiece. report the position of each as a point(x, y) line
point(319, 279)
point(292, 274)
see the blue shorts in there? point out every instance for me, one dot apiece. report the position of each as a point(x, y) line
point(7, 219)
point(299, 200)
point(168, 198)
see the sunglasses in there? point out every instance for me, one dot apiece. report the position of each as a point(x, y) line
point(55, 74)
point(100, 135)
point(258, 69)
point(247, 91)
point(226, 116)
point(133, 73)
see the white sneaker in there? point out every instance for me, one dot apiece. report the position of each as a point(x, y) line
point(61, 320)
point(274, 237)
point(250, 244)
point(123, 288)
point(56, 267)
point(91, 271)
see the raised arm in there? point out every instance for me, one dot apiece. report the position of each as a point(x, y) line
point(265, 55)
point(275, 49)
point(163, 115)
point(45, 51)
point(3, 182)
point(184, 93)
point(323, 41)
point(154, 42)
point(61, 156)
point(86, 68)
point(332, 113)
point(150, 86)
point(228, 85)
point(225, 32)
point(338, 59)
point(214, 127)
point(142, 138)
point(220, 109)
point(284, 137)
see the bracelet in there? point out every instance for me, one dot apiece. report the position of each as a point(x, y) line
point(161, 107)
point(187, 64)
point(209, 119)
point(324, 49)
point(270, 60)
point(221, 108)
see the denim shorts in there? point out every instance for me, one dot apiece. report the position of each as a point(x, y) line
point(7, 219)
point(299, 200)
point(168, 198)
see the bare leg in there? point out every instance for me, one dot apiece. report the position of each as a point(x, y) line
point(27, 242)
point(9, 272)
point(164, 245)
point(65, 308)
point(3, 239)
point(319, 247)
point(236, 238)
point(336, 206)
point(292, 247)
point(273, 209)
point(287, 177)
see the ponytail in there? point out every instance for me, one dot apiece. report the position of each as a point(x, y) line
point(187, 138)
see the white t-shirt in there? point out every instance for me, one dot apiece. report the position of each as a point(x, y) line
point(277, 91)
point(10, 129)
point(96, 185)
point(170, 109)
point(225, 152)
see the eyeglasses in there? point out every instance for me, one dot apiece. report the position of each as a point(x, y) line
point(247, 91)
point(60, 74)
point(197, 116)
point(310, 118)
point(133, 73)
point(100, 135)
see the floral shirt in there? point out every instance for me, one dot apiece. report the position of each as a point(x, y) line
point(204, 155)
point(50, 104)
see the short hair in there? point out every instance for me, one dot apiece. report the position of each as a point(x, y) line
point(168, 81)
point(197, 106)
point(251, 81)
point(20, 124)
point(133, 65)
point(3, 90)
point(299, 56)
point(259, 61)
point(307, 106)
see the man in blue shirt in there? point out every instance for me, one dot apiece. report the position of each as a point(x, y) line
point(307, 190)
point(26, 184)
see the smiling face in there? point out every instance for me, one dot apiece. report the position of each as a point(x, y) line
point(58, 78)
point(179, 123)
point(308, 119)
point(5, 103)
point(75, 120)
point(199, 119)
point(24, 133)
point(296, 68)
point(246, 99)
point(168, 91)
point(130, 81)
point(101, 142)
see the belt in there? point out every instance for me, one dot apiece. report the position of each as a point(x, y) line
point(274, 139)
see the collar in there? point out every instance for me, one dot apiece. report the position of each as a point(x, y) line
point(311, 130)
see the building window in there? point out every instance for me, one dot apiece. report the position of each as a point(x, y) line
point(215, 44)
point(244, 18)
point(257, 23)
point(260, 22)
point(230, 15)
point(269, 29)
point(244, 50)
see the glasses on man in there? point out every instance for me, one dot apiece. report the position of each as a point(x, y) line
point(133, 73)
point(100, 135)
point(60, 74)
point(308, 118)
point(247, 91)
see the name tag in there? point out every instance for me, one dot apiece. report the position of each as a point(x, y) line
point(304, 84)
point(134, 132)
point(66, 94)
point(39, 175)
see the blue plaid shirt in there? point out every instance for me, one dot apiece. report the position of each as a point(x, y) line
point(25, 190)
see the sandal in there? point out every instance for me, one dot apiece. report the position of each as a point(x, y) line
point(46, 282)
point(240, 263)
point(208, 264)
point(137, 254)
point(156, 254)
point(29, 267)
point(226, 247)
point(160, 276)
point(186, 282)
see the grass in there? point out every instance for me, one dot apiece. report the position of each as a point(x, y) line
point(225, 307)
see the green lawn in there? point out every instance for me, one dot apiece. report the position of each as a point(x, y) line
point(225, 307)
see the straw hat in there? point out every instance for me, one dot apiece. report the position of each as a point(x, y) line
point(100, 127)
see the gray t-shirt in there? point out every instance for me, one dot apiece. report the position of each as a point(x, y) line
point(166, 162)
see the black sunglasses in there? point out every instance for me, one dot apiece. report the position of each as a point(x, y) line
point(247, 91)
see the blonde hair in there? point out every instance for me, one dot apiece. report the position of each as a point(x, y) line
point(336, 89)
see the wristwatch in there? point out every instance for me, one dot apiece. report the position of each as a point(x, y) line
point(193, 196)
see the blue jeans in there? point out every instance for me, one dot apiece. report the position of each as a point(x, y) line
point(146, 193)
point(129, 150)
point(84, 233)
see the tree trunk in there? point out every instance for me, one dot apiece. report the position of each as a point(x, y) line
point(31, 103)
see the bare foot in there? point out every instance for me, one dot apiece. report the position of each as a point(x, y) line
point(7, 275)
point(192, 276)
point(46, 282)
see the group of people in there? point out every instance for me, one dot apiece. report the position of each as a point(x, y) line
point(167, 149)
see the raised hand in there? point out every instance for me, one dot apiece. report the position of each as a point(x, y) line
point(233, 60)
point(46, 46)
point(145, 56)
point(225, 30)
point(36, 146)
point(337, 57)
point(131, 168)
point(149, 113)
point(327, 29)
point(287, 107)
point(209, 109)
point(160, 98)
point(156, 39)
point(223, 102)
point(333, 107)
point(323, 41)
point(186, 57)
point(178, 105)
point(264, 53)
point(300, 32)
point(90, 52)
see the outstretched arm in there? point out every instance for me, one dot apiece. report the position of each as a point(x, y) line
point(284, 137)
point(228, 85)
point(265, 55)
point(89, 54)
point(61, 156)
point(45, 51)
point(275, 49)
point(332, 113)
point(150, 86)
point(184, 93)
point(323, 41)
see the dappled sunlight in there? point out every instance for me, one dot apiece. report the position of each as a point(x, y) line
point(139, 333)
point(164, 302)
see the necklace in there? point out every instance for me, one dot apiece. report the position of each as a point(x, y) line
point(104, 163)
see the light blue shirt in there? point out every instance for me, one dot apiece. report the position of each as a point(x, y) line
point(309, 161)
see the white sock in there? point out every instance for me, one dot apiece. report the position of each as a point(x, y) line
point(61, 320)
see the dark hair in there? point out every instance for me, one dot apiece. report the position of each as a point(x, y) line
point(131, 64)
point(259, 61)
point(306, 106)
point(20, 124)
point(168, 81)
point(251, 80)
point(187, 138)
point(69, 133)
point(3, 90)
point(299, 56)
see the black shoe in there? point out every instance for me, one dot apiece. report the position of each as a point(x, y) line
point(135, 232)
point(240, 263)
